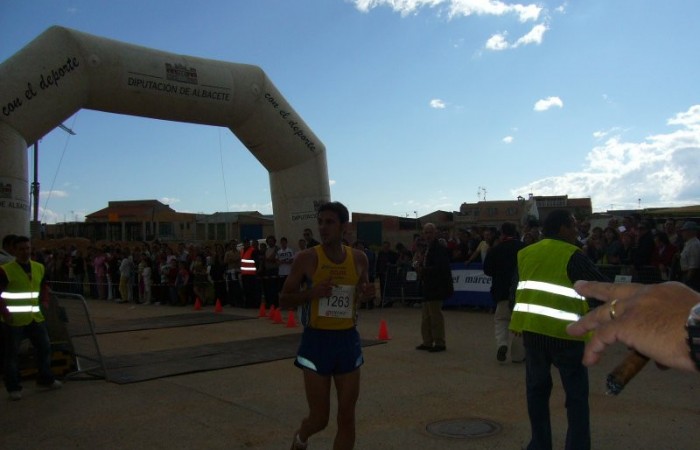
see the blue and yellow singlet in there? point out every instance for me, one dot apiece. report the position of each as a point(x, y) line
point(339, 311)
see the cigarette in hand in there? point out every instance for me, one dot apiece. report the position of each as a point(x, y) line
point(624, 372)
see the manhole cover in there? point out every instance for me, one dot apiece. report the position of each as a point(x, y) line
point(464, 428)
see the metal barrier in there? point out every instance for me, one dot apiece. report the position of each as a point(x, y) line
point(81, 336)
point(626, 273)
point(402, 285)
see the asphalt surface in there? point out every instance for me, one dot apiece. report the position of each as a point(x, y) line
point(404, 392)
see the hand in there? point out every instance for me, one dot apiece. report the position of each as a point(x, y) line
point(367, 290)
point(648, 318)
point(323, 289)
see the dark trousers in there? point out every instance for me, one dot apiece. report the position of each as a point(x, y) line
point(574, 378)
point(234, 293)
point(251, 291)
point(39, 337)
point(271, 287)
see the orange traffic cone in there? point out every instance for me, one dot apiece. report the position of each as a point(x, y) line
point(218, 308)
point(291, 323)
point(383, 332)
point(278, 316)
point(262, 312)
point(271, 313)
point(197, 304)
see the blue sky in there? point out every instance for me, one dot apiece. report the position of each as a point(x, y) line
point(421, 104)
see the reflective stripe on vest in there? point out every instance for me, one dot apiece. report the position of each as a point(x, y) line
point(19, 295)
point(13, 298)
point(546, 311)
point(23, 309)
point(549, 287)
point(248, 266)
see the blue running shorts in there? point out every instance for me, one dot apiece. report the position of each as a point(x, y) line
point(329, 352)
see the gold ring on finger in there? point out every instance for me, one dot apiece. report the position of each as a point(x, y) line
point(611, 310)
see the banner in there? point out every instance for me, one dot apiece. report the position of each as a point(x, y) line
point(471, 286)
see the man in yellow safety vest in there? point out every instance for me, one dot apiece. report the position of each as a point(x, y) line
point(21, 286)
point(545, 303)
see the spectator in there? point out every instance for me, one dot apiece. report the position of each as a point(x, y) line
point(386, 257)
point(612, 247)
point(217, 273)
point(6, 251)
point(146, 280)
point(690, 255)
point(627, 241)
point(479, 254)
point(201, 283)
point(285, 258)
point(100, 266)
point(271, 284)
point(644, 246)
point(664, 254)
point(309, 237)
point(501, 265)
point(434, 269)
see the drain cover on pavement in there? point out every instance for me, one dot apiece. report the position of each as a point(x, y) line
point(463, 428)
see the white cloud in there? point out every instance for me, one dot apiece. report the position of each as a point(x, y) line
point(54, 194)
point(661, 170)
point(549, 102)
point(331, 182)
point(535, 36)
point(508, 139)
point(466, 8)
point(456, 7)
point(690, 118)
point(497, 42)
point(169, 200)
point(436, 103)
point(601, 134)
point(51, 216)
point(262, 208)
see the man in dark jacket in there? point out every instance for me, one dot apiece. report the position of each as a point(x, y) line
point(434, 269)
point(501, 264)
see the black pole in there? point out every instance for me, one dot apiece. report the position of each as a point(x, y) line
point(35, 184)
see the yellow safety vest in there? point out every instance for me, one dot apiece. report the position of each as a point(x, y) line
point(22, 293)
point(545, 301)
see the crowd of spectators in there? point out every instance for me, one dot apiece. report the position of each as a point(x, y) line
point(646, 249)
point(180, 273)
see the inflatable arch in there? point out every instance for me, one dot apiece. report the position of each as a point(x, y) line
point(63, 70)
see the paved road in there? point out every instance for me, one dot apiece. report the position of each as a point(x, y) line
point(403, 390)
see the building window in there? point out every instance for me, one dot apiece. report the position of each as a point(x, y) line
point(165, 229)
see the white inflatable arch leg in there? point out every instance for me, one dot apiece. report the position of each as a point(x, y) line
point(14, 187)
point(64, 70)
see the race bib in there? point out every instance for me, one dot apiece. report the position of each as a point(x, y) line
point(339, 304)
